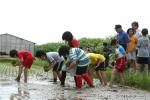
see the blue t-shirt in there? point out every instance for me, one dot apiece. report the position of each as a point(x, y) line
point(123, 38)
point(120, 51)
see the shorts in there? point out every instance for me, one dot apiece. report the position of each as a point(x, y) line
point(27, 63)
point(101, 67)
point(131, 55)
point(81, 70)
point(142, 60)
point(120, 64)
point(58, 66)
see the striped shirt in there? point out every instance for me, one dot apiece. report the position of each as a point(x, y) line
point(77, 54)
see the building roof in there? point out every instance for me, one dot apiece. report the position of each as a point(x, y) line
point(17, 37)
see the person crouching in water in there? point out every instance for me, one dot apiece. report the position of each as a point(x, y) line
point(77, 57)
point(97, 63)
point(25, 62)
point(54, 61)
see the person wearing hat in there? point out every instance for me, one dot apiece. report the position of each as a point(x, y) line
point(122, 36)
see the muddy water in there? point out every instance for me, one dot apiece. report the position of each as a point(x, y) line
point(45, 90)
point(39, 87)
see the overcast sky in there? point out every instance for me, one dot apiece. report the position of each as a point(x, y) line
point(43, 21)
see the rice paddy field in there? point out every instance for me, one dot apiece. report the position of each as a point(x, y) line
point(41, 87)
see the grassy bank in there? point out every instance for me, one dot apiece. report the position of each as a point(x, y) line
point(139, 80)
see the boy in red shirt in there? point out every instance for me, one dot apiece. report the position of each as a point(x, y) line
point(26, 60)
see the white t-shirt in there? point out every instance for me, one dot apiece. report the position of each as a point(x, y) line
point(53, 56)
point(143, 46)
point(120, 51)
point(138, 33)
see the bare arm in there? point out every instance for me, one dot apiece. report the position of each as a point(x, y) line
point(99, 62)
point(20, 62)
point(72, 65)
point(52, 64)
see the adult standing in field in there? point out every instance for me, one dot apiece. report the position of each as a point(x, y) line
point(72, 43)
point(122, 36)
point(131, 49)
point(143, 52)
point(149, 58)
point(135, 26)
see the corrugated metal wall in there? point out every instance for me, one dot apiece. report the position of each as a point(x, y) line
point(9, 42)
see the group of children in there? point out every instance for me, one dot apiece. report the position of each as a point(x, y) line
point(72, 59)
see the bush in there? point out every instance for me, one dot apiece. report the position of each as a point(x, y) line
point(49, 47)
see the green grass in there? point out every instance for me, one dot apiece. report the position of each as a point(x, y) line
point(36, 67)
point(138, 80)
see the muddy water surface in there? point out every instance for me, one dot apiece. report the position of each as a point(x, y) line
point(39, 87)
point(45, 90)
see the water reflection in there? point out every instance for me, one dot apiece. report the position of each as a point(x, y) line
point(23, 92)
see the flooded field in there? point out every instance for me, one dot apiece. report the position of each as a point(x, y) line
point(39, 87)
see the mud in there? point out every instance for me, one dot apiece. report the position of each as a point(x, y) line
point(45, 90)
point(39, 87)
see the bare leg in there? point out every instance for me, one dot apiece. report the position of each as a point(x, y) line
point(129, 63)
point(25, 75)
point(99, 76)
point(138, 67)
point(90, 72)
point(103, 77)
point(19, 74)
point(146, 68)
point(113, 76)
point(134, 65)
point(120, 77)
point(59, 75)
point(55, 76)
